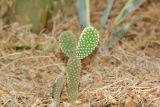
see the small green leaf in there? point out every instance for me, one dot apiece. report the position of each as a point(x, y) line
point(68, 43)
point(88, 41)
point(73, 69)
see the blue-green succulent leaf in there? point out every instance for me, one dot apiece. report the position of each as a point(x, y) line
point(83, 12)
point(106, 13)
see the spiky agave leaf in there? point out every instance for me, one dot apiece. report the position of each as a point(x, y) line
point(88, 41)
point(128, 8)
point(116, 36)
point(106, 14)
point(83, 11)
point(68, 42)
point(73, 69)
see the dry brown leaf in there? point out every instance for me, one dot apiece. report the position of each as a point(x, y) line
point(116, 105)
point(129, 103)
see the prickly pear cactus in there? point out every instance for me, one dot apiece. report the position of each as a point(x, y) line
point(73, 69)
point(68, 43)
point(76, 51)
point(88, 41)
point(33, 12)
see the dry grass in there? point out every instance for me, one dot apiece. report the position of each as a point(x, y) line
point(128, 76)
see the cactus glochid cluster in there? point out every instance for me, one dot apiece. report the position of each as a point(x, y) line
point(76, 51)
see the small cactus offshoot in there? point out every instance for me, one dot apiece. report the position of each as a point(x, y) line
point(76, 51)
point(58, 87)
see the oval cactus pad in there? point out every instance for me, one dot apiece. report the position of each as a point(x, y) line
point(88, 41)
point(68, 42)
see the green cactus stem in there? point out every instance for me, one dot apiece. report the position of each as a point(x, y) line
point(73, 69)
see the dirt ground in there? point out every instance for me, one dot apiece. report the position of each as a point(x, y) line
point(127, 76)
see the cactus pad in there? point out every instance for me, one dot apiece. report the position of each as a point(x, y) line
point(73, 69)
point(68, 42)
point(88, 41)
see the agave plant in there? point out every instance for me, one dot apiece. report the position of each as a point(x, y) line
point(76, 50)
point(84, 16)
